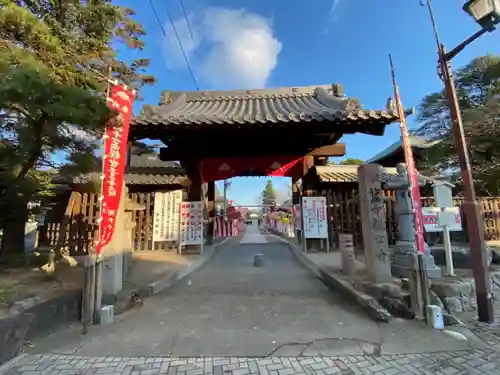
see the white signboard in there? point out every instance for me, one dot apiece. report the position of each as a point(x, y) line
point(191, 224)
point(431, 221)
point(166, 216)
point(314, 217)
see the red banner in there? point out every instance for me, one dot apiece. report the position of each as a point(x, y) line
point(221, 169)
point(114, 159)
point(418, 220)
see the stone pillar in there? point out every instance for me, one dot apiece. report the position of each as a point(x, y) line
point(371, 207)
point(118, 253)
point(405, 236)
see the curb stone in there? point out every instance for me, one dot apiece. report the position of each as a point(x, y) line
point(171, 279)
point(336, 281)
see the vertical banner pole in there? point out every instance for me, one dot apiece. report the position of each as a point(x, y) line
point(418, 221)
point(120, 98)
point(97, 261)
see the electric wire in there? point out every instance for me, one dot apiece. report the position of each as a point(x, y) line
point(191, 73)
point(187, 20)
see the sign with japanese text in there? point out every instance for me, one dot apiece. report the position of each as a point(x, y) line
point(166, 216)
point(431, 221)
point(191, 223)
point(114, 159)
point(314, 214)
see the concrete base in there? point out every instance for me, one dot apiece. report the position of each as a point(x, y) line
point(106, 315)
point(460, 255)
point(112, 274)
point(402, 261)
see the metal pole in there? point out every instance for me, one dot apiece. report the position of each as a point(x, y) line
point(475, 225)
point(98, 259)
point(225, 197)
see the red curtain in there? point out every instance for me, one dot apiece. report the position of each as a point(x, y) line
point(224, 168)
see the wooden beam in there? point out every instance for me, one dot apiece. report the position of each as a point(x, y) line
point(249, 149)
point(337, 149)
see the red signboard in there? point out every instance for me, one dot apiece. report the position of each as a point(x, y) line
point(412, 172)
point(220, 169)
point(114, 159)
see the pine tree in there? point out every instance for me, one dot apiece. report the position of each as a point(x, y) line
point(53, 57)
point(478, 90)
point(269, 194)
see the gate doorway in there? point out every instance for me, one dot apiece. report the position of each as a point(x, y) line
point(216, 135)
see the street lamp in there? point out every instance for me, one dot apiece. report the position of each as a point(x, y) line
point(486, 13)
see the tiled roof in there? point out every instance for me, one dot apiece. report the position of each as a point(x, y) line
point(150, 161)
point(281, 105)
point(416, 143)
point(155, 179)
point(138, 179)
point(349, 173)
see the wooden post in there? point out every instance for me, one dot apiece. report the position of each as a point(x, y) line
point(195, 192)
point(211, 202)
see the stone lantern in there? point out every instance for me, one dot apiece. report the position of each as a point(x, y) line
point(405, 237)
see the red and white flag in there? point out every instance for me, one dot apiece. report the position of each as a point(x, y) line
point(418, 220)
point(114, 159)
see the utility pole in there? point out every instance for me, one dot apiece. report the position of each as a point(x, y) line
point(226, 185)
point(475, 224)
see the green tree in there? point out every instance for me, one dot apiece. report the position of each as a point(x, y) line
point(351, 161)
point(53, 58)
point(348, 161)
point(478, 90)
point(269, 194)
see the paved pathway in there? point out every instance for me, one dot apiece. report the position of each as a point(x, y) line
point(280, 312)
point(252, 235)
point(456, 363)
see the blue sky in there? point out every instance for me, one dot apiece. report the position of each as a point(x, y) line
point(298, 43)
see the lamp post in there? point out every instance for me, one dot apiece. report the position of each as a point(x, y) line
point(487, 14)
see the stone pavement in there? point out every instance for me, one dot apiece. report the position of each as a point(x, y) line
point(279, 318)
point(443, 363)
point(252, 235)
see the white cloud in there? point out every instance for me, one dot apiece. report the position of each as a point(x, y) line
point(174, 57)
point(333, 8)
point(241, 52)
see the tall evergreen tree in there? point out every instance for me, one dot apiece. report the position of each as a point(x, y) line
point(478, 90)
point(269, 194)
point(53, 58)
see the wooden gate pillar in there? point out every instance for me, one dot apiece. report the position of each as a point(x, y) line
point(295, 192)
point(193, 172)
point(211, 212)
point(195, 192)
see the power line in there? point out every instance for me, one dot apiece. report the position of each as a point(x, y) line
point(178, 41)
point(187, 20)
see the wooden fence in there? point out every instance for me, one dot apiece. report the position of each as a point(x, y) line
point(77, 228)
point(345, 218)
point(76, 231)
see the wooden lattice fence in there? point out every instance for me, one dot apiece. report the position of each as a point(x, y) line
point(76, 228)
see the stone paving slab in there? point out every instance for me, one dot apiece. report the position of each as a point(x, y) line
point(444, 363)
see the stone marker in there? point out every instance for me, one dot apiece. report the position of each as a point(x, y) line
point(346, 246)
point(405, 236)
point(371, 207)
point(258, 260)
